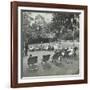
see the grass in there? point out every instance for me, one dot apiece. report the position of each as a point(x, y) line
point(68, 66)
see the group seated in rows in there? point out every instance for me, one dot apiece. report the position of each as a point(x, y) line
point(42, 47)
point(52, 48)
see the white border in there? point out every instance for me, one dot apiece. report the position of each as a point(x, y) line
point(52, 78)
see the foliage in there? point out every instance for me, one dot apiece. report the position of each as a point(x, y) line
point(64, 23)
point(63, 26)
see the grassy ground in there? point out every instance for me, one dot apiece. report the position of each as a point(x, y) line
point(68, 66)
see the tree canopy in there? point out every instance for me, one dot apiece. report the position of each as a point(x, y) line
point(63, 26)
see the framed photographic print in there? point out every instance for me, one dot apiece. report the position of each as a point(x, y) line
point(48, 44)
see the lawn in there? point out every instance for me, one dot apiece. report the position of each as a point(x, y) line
point(68, 66)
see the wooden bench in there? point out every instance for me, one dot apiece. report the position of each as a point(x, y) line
point(32, 61)
point(45, 58)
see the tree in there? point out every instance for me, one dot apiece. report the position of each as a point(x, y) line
point(26, 25)
point(63, 22)
point(39, 27)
